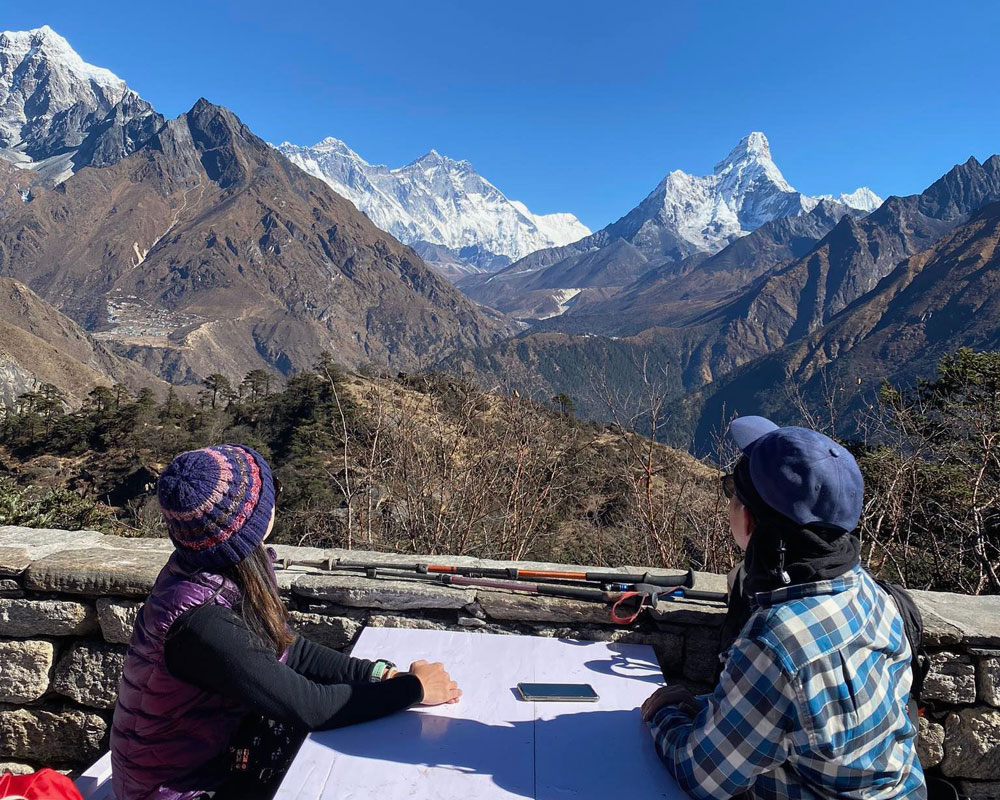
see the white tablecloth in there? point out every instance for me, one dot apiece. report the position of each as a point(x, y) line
point(492, 744)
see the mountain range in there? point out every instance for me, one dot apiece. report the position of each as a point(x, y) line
point(205, 250)
point(942, 298)
point(693, 325)
point(684, 217)
point(455, 218)
point(140, 250)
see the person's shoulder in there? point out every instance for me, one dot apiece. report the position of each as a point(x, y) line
point(206, 622)
point(807, 628)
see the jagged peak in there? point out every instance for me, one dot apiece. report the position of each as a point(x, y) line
point(433, 158)
point(752, 147)
point(44, 40)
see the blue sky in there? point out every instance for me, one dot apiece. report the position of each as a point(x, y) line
point(575, 106)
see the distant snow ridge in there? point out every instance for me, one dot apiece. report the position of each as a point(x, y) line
point(745, 191)
point(438, 200)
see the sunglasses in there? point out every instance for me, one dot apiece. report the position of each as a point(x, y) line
point(277, 487)
point(729, 486)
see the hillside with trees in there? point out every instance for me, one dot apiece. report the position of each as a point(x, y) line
point(429, 464)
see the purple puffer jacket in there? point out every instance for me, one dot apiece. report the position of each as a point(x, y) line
point(169, 738)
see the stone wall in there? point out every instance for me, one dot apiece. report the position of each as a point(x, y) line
point(68, 602)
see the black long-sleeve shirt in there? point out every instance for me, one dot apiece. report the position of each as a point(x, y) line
point(316, 687)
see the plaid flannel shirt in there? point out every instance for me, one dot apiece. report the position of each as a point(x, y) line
point(811, 704)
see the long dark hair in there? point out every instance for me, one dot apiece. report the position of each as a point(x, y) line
point(260, 606)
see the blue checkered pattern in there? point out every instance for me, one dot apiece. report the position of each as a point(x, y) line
point(811, 704)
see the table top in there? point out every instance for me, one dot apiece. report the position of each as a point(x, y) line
point(492, 745)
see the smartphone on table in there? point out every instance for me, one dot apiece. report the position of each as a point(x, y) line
point(558, 692)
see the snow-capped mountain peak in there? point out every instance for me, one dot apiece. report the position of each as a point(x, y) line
point(58, 113)
point(745, 190)
point(48, 93)
point(437, 200)
point(861, 198)
point(752, 147)
point(22, 46)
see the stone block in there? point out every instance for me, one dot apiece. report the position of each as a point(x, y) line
point(127, 571)
point(951, 618)
point(16, 768)
point(688, 613)
point(952, 678)
point(29, 618)
point(988, 680)
point(514, 607)
point(971, 744)
point(89, 673)
point(930, 743)
point(414, 623)
point(14, 561)
point(117, 618)
point(669, 648)
point(25, 667)
point(393, 595)
point(701, 655)
point(335, 632)
point(52, 735)
point(35, 543)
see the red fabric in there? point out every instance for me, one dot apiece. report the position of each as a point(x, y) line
point(46, 784)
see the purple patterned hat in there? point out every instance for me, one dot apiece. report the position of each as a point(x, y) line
point(217, 504)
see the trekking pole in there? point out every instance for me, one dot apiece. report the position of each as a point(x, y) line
point(644, 595)
point(619, 581)
point(548, 589)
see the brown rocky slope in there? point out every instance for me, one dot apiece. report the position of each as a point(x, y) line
point(39, 345)
point(206, 250)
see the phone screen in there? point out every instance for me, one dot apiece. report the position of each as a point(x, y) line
point(582, 692)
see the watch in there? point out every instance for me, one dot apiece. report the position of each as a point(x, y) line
point(380, 670)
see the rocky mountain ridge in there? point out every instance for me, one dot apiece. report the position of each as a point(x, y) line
point(927, 307)
point(205, 250)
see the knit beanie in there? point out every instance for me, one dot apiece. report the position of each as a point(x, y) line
point(217, 503)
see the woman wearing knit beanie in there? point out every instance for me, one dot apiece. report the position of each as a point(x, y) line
point(217, 691)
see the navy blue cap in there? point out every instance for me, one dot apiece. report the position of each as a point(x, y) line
point(801, 473)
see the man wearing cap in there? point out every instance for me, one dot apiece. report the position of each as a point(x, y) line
point(812, 700)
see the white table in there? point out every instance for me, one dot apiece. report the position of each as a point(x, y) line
point(492, 744)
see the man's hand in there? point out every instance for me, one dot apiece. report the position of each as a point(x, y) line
point(437, 684)
point(669, 696)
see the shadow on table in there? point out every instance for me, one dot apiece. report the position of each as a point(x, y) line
point(623, 663)
point(574, 754)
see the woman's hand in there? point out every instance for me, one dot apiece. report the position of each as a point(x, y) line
point(669, 696)
point(437, 684)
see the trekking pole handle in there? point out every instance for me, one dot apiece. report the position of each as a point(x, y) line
point(686, 580)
